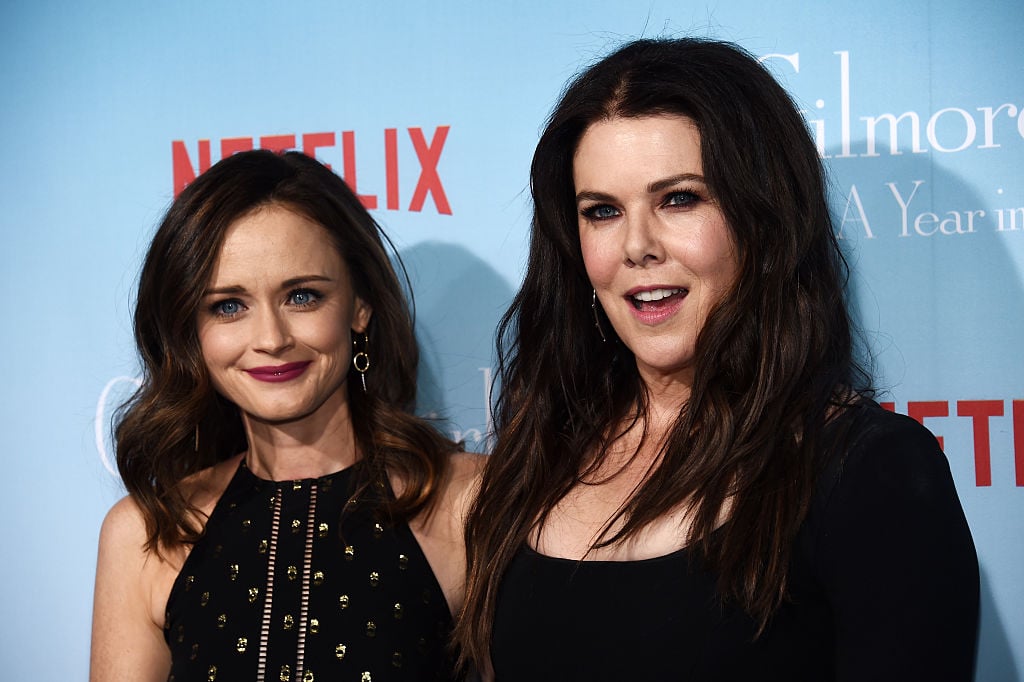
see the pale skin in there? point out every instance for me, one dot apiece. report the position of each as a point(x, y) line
point(280, 295)
point(649, 228)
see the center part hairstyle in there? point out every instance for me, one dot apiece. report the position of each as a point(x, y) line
point(176, 424)
point(772, 364)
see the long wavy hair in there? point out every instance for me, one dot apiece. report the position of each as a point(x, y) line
point(176, 424)
point(774, 361)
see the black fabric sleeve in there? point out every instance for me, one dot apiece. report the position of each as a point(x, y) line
point(896, 559)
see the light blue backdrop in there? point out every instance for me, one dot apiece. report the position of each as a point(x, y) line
point(95, 94)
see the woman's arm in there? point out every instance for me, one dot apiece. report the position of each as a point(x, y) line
point(127, 638)
point(898, 563)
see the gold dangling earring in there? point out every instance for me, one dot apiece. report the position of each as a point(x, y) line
point(597, 320)
point(196, 446)
point(361, 359)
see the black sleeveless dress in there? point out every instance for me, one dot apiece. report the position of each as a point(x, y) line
point(276, 590)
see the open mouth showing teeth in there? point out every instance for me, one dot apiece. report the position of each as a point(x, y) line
point(654, 298)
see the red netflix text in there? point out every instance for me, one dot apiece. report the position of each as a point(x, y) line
point(980, 412)
point(428, 153)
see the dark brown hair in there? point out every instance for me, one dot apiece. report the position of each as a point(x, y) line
point(156, 429)
point(773, 360)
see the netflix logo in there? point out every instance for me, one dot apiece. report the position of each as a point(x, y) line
point(428, 154)
point(981, 413)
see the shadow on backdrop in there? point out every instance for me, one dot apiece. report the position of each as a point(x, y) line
point(459, 300)
point(938, 306)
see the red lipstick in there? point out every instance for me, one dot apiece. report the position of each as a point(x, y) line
point(278, 373)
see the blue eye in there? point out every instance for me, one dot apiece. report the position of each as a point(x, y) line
point(303, 297)
point(681, 199)
point(600, 212)
point(227, 308)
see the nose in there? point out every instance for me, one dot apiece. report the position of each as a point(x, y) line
point(272, 334)
point(641, 245)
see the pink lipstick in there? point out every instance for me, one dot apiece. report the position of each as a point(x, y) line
point(278, 373)
point(654, 304)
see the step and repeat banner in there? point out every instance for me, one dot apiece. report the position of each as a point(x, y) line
point(431, 111)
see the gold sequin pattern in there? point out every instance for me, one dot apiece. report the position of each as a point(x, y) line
point(235, 589)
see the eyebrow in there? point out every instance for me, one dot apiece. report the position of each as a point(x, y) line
point(660, 185)
point(287, 284)
point(652, 188)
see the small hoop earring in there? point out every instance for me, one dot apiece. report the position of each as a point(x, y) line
point(361, 359)
point(597, 320)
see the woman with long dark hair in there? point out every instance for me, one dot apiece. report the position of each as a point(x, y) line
point(288, 517)
point(690, 479)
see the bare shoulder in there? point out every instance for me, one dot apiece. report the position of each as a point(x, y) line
point(204, 488)
point(439, 530)
point(134, 580)
point(127, 625)
point(463, 482)
point(124, 524)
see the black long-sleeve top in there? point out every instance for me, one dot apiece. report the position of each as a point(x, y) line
point(883, 586)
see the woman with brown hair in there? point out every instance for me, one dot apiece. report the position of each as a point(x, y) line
point(288, 517)
point(690, 479)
